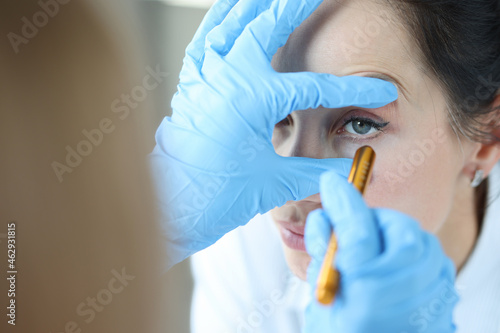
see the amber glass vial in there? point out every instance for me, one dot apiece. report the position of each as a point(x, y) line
point(329, 277)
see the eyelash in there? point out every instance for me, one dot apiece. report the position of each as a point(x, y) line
point(285, 122)
point(378, 126)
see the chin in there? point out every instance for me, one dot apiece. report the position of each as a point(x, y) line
point(297, 261)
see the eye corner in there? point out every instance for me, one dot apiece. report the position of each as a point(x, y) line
point(287, 121)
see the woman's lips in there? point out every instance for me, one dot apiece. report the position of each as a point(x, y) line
point(292, 235)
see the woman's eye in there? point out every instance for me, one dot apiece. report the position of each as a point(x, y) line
point(360, 126)
point(285, 122)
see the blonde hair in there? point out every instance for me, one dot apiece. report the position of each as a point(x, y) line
point(85, 227)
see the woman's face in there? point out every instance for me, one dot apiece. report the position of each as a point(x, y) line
point(420, 160)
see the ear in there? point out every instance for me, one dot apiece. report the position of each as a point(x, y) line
point(486, 155)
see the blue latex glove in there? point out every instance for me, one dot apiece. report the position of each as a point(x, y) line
point(214, 164)
point(395, 277)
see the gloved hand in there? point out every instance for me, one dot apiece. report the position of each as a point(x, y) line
point(214, 164)
point(395, 277)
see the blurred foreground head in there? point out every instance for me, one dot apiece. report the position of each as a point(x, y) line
point(73, 173)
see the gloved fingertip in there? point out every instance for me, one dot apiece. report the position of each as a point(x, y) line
point(339, 198)
point(332, 186)
point(317, 233)
point(330, 179)
point(392, 91)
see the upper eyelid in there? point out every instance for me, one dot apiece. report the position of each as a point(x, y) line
point(380, 129)
point(365, 115)
point(380, 124)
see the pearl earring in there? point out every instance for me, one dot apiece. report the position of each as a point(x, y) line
point(478, 178)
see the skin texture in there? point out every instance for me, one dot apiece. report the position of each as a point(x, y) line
point(423, 166)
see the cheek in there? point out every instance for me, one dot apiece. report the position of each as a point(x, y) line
point(298, 262)
point(417, 180)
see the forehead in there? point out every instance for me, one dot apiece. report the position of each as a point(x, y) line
point(350, 37)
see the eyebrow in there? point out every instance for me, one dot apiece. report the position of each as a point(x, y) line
point(385, 77)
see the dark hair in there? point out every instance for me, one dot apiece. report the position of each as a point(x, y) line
point(460, 44)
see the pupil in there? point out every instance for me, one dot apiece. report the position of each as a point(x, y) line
point(361, 127)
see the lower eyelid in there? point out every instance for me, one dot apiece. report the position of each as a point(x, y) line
point(359, 139)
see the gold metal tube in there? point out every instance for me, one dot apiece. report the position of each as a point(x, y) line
point(329, 277)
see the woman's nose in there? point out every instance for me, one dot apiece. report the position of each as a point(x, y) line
point(306, 146)
point(306, 139)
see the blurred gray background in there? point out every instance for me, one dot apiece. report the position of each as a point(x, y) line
point(169, 27)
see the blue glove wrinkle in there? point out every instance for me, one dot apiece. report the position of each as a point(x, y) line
point(214, 17)
point(272, 28)
point(222, 37)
